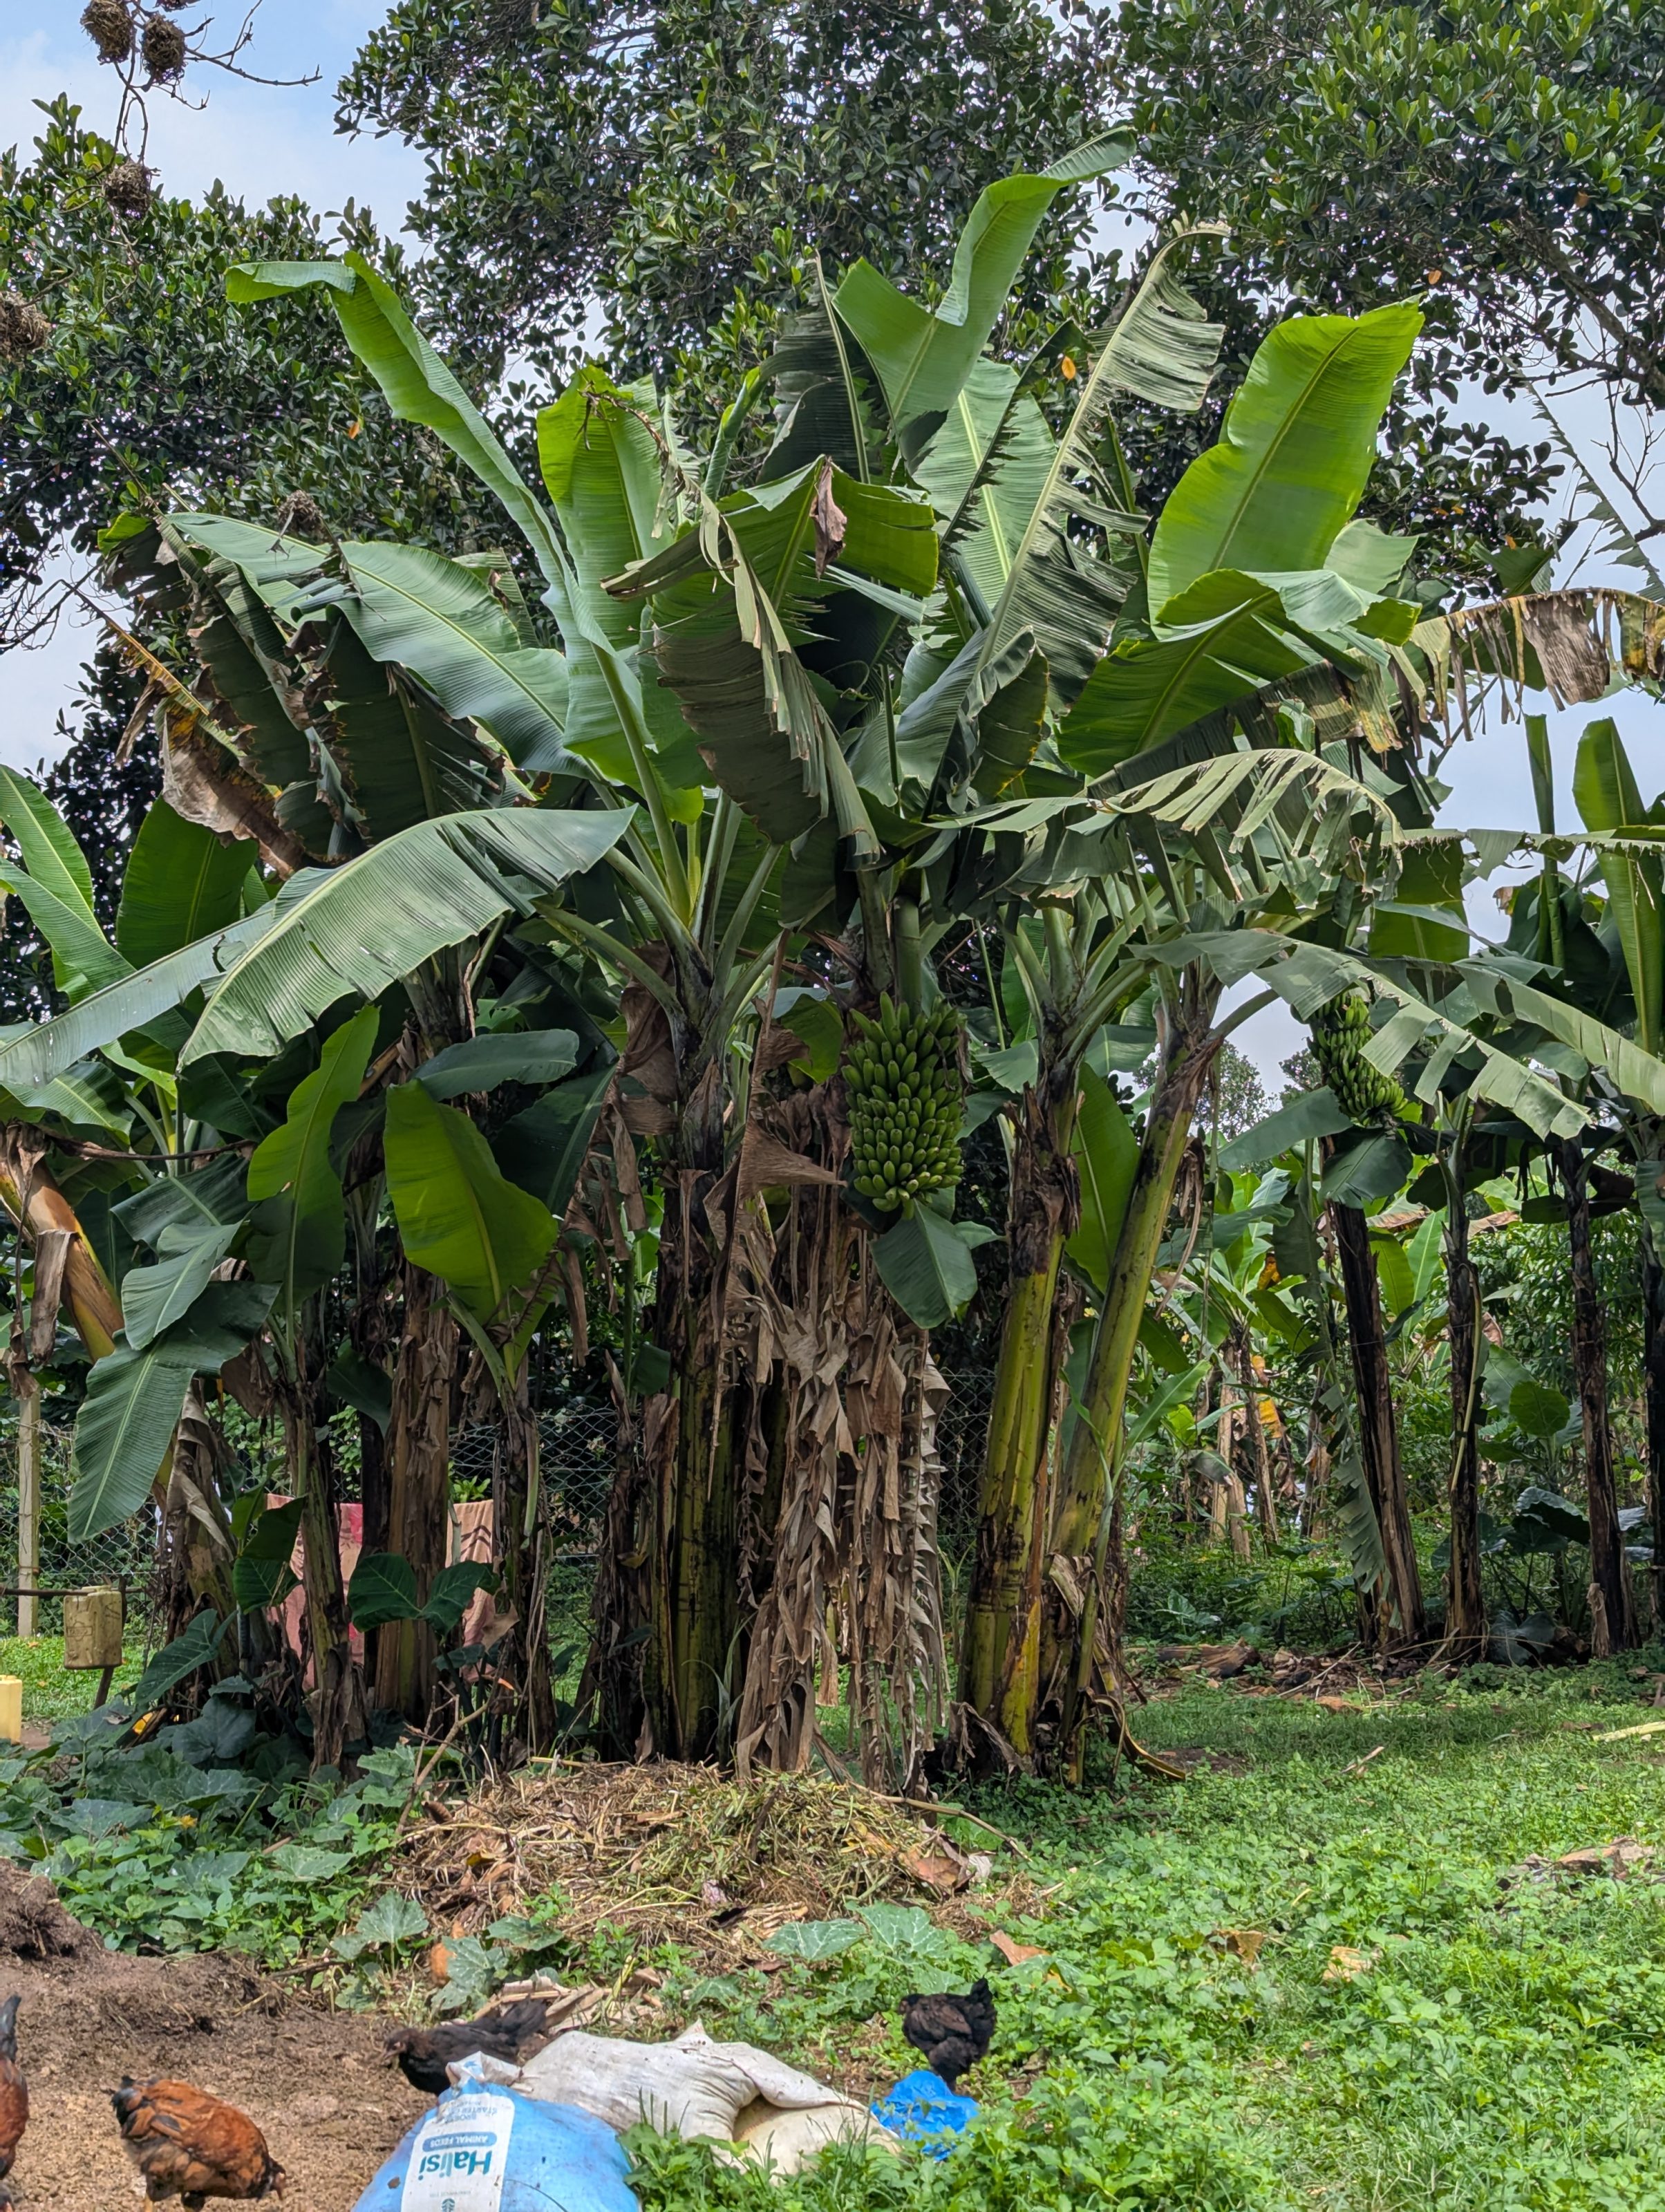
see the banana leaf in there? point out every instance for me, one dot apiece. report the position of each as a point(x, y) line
point(1298, 444)
point(441, 620)
point(601, 469)
point(458, 1215)
point(182, 884)
point(806, 563)
point(360, 928)
point(1604, 789)
point(923, 357)
point(416, 383)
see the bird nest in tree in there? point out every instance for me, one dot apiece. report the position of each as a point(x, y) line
point(23, 329)
point(109, 25)
point(127, 188)
point(675, 1854)
point(163, 50)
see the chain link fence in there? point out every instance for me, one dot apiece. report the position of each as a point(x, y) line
point(577, 1455)
point(124, 1557)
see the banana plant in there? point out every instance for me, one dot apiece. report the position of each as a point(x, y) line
point(1316, 390)
point(771, 608)
point(1368, 1477)
point(182, 1033)
point(1625, 829)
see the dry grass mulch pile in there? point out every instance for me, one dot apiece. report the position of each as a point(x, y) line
point(673, 1853)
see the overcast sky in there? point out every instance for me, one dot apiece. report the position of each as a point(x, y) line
point(261, 141)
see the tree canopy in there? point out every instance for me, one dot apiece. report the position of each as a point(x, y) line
point(1508, 163)
point(141, 383)
point(671, 170)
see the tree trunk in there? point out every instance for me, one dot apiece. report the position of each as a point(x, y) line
point(418, 1488)
point(523, 1655)
point(1162, 1149)
point(664, 1666)
point(1229, 1513)
point(1256, 1453)
point(368, 1332)
point(340, 1717)
point(1318, 1471)
point(1379, 1428)
point(1084, 1535)
point(1000, 1670)
point(1467, 1630)
point(661, 1673)
point(698, 1598)
point(1613, 1621)
point(1229, 1438)
point(1653, 1370)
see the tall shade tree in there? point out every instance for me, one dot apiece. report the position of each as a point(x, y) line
point(681, 162)
point(1507, 163)
point(139, 381)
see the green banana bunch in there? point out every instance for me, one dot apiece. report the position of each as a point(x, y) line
point(902, 1077)
point(1340, 1031)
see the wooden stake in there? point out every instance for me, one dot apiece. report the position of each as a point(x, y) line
point(29, 1502)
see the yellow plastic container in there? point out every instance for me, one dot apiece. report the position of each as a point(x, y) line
point(11, 1709)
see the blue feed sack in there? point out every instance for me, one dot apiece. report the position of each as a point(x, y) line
point(487, 2149)
point(924, 2110)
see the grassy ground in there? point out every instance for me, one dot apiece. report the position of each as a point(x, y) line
point(1435, 2018)
point(1428, 2026)
point(49, 1693)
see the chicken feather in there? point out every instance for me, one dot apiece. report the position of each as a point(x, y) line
point(14, 2095)
point(189, 2145)
point(953, 2032)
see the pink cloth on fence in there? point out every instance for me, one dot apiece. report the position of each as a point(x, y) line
point(294, 1606)
point(472, 1538)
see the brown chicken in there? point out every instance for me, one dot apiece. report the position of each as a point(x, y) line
point(506, 2031)
point(189, 2145)
point(14, 2094)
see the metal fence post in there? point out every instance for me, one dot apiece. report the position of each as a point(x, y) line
point(29, 1503)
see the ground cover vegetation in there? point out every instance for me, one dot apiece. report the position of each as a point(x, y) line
point(730, 873)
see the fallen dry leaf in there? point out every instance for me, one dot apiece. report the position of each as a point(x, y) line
point(1616, 1858)
point(1014, 1952)
point(1346, 1965)
point(1242, 1943)
point(935, 1870)
point(1335, 1704)
point(438, 1963)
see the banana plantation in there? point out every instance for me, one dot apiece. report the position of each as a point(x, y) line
point(794, 887)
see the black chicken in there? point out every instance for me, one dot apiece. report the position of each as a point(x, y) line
point(424, 2053)
point(953, 2032)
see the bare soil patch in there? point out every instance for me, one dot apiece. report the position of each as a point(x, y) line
point(315, 2082)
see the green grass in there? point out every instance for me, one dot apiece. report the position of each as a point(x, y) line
point(1504, 2052)
point(50, 1692)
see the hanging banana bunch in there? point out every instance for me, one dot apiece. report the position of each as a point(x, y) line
point(902, 1076)
point(1340, 1031)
